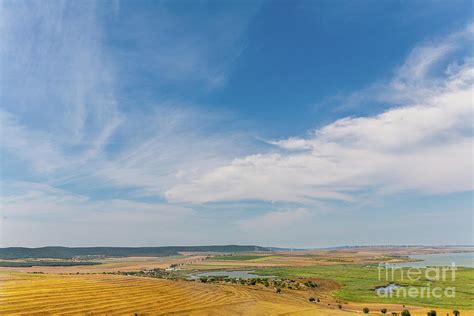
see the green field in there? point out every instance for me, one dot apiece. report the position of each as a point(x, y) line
point(358, 284)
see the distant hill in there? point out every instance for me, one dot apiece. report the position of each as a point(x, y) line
point(68, 253)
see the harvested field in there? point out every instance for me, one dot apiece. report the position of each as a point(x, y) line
point(99, 294)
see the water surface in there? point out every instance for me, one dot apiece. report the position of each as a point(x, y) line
point(387, 289)
point(236, 274)
point(461, 259)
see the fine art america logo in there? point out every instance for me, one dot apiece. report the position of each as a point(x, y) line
point(420, 282)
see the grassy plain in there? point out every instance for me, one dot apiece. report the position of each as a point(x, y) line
point(358, 283)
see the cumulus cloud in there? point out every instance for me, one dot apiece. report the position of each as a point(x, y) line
point(423, 146)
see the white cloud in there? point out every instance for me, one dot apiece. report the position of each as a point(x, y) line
point(424, 146)
point(424, 58)
point(292, 143)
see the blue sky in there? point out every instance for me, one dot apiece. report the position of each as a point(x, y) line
point(279, 123)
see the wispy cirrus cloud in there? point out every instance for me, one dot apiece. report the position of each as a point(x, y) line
point(198, 47)
point(64, 124)
point(422, 74)
point(175, 143)
point(61, 100)
point(59, 106)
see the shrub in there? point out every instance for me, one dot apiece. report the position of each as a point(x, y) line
point(456, 312)
point(432, 313)
point(339, 306)
point(310, 284)
point(365, 310)
point(383, 311)
point(405, 312)
point(312, 299)
point(278, 290)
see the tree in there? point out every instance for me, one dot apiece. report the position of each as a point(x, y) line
point(339, 306)
point(365, 310)
point(405, 312)
point(278, 290)
point(456, 312)
point(312, 299)
point(383, 311)
point(432, 313)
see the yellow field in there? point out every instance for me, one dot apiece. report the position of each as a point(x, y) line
point(112, 294)
point(29, 294)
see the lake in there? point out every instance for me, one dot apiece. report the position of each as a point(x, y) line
point(461, 259)
point(236, 274)
point(389, 289)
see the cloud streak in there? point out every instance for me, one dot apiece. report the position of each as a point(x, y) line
point(60, 85)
